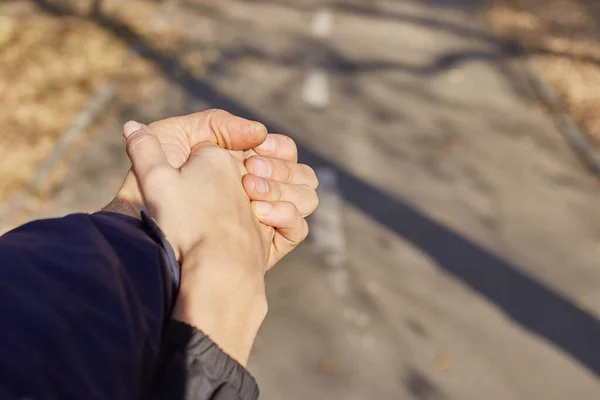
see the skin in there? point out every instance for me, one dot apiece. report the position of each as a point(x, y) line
point(256, 206)
point(291, 187)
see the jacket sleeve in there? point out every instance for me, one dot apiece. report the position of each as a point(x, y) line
point(84, 308)
point(193, 367)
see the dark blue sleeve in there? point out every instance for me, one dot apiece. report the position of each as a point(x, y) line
point(83, 303)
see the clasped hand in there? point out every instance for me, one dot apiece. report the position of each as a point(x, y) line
point(228, 217)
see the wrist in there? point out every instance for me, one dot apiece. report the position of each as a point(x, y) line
point(128, 200)
point(232, 325)
point(227, 304)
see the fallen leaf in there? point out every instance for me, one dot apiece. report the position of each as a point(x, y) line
point(443, 363)
point(329, 364)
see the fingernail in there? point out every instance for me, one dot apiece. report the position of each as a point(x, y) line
point(257, 127)
point(268, 144)
point(261, 185)
point(263, 207)
point(262, 167)
point(131, 127)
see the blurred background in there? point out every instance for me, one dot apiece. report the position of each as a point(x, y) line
point(456, 251)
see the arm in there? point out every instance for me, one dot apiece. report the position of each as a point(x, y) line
point(84, 298)
point(193, 367)
point(222, 291)
point(83, 303)
point(190, 364)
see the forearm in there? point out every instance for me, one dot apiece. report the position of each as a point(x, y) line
point(87, 294)
point(224, 301)
point(215, 296)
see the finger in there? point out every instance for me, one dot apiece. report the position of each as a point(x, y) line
point(249, 153)
point(233, 132)
point(302, 196)
point(218, 126)
point(282, 171)
point(144, 151)
point(285, 218)
point(278, 146)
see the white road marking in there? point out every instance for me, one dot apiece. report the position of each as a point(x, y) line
point(327, 223)
point(315, 91)
point(327, 230)
point(322, 23)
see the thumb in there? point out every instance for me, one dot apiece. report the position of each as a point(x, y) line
point(232, 132)
point(145, 152)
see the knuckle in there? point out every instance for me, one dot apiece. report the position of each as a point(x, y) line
point(287, 174)
point(305, 229)
point(216, 113)
point(204, 147)
point(291, 211)
point(301, 233)
point(215, 154)
point(274, 191)
point(314, 200)
point(216, 122)
point(286, 213)
point(137, 141)
point(310, 175)
point(211, 115)
point(212, 111)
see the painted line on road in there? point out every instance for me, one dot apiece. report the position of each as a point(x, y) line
point(315, 90)
point(322, 23)
point(327, 230)
point(328, 224)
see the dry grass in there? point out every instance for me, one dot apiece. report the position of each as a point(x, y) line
point(49, 69)
point(564, 37)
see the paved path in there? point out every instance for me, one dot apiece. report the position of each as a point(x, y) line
point(466, 250)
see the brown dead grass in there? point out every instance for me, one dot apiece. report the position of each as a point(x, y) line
point(49, 69)
point(564, 37)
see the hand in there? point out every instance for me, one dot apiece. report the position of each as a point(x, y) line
point(177, 136)
point(291, 186)
point(283, 193)
point(207, 217)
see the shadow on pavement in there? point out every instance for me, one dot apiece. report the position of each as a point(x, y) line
point(528, 302)
point(509, 47)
